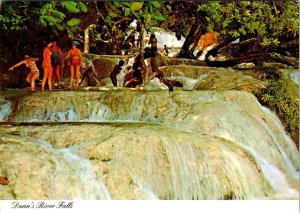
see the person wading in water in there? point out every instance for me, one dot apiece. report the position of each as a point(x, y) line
point(34, 71)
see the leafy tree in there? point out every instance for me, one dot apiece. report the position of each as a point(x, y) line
point(272, 23)
point(32, 23)
point(185, 20)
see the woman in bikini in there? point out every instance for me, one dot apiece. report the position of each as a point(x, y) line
point(76, 59)
point(34, 71)
point(153, 42)
point(48, 69)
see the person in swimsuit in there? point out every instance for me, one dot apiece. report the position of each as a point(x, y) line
point(153, 42)
point(34, 71)
point(56, 62)
point(136, 73)
point(91, 77)
point(117, 69)
point(48, 69)
point(76, 59)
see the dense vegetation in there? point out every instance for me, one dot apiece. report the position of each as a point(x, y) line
point(282, 97)
point(260, 26)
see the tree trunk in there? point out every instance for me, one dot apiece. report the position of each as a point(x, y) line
point(200, 31)
point(193, 34)
point(285, 60)
point(86, 40)
point(214, 51)
point(143, 65)
point(238, 60)
point(255, 58)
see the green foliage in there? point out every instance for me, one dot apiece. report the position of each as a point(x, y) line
point(155, 4)
point(120, 11)
point(136, 6)
point(127, 11)
point(55, 15)
point(71, 6)
point(83, 7)
point(256, 18)
point(73, 22)
point(11, 17)
point(281, 96)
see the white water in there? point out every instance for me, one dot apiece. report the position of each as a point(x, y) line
point(5, 109)
point(50, 115)
point(239, 119)
point(164, 38)
point(275, 177)
point(294, 75)
point(205, 180)
point(73, 176)
point(189, 83)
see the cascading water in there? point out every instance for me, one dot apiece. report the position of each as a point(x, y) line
point(5, 109)
point(46, 172)
point(74, 173)
point(191, 145)
point(189, 83)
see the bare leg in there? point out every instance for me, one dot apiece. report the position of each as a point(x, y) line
point(57, 71)
point(72, 75)
point(77, 76)
point(33, 78)
point(28, 78)
point(50, 78)
point(46, 73)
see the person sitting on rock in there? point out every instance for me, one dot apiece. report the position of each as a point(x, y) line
point(117, 69)
point(34, 71)
point(165, 51)
point(135, 74)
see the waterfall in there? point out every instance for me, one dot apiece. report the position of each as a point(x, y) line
point(179, 145)
point(189, 83)
point(294, 75)
point(276, 178)
point(287, 145)
point(209, 178)
point(73, 176)
point(5, 109)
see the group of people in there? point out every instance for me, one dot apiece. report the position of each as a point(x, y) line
point(53, 62)
point(138, 72)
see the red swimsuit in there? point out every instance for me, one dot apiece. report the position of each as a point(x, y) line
point(75, 57)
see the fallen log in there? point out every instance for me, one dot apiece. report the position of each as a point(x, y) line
point(254, 58)
point(285, 60)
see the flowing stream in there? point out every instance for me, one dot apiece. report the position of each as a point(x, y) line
point(132, 144)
